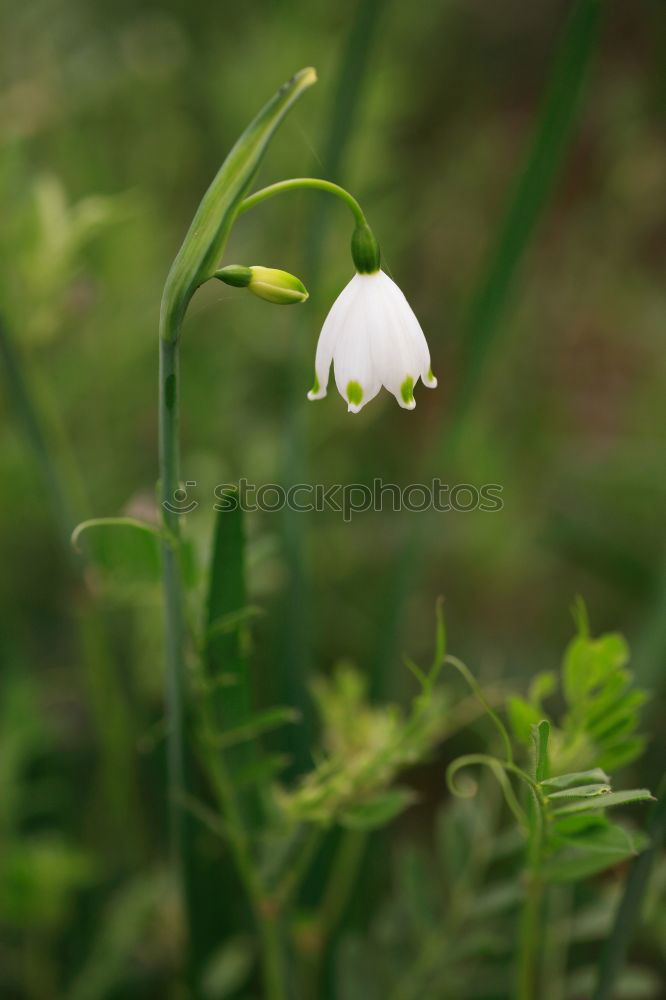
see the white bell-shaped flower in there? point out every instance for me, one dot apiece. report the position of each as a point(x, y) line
point(373, 339)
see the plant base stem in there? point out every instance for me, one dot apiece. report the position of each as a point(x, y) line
point(528, 945)
point(178, 778)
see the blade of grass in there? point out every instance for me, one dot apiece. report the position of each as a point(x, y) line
point(49, 448)
point(226, 690)
point(295, 640)
point(650, 646)
point(226, 650)
point(628, 916)
point(23, 399)
point(482, 325)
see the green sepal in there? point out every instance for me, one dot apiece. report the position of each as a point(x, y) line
point(365, 250)
point(235, 275)
point(205, 239)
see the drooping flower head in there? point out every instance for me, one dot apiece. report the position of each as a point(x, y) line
point(372, 337)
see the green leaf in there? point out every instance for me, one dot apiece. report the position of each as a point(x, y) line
point(592, 852)
point(615, 723)
point(540, 734)
point(577, 823)
point(579, 791)
point(608, 801)
point(594, 776)
point(542, 685)
point(587, 662)
point(379, 810)
point(225, 651)
point(623, 753)
point(205, 239)
point(608, 698)
point(121, 548)
point(522, 716)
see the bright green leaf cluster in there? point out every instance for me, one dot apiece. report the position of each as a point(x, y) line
point(602, 707)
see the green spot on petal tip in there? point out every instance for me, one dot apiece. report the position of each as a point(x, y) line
point(407, 390)
point(354, 393)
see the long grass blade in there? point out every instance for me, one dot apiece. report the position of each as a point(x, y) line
point(226, 661)
point(113, 721)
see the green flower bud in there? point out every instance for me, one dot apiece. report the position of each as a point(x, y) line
point(276, 286)
point(365, 249)
point(267, 283)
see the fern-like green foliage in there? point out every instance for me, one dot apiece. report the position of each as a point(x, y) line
point(598, 728)
point(364, 747)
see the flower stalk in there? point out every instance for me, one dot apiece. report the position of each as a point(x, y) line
point(194, 264)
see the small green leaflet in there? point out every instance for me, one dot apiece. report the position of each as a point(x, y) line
point(540, 734)
point(580, 791)
point(591, 852)
point(594, 776)
point(608, 801)
point(122, 548)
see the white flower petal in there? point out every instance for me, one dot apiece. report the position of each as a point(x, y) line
point(399, 363)
point(333, 327)
point(418, 345)
point(355, 372)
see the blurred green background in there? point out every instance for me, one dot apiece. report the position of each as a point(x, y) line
point(114, 117)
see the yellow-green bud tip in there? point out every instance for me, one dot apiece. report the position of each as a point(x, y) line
point(276, 286)
point(308, 76)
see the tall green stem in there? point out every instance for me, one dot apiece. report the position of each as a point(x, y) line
point(174, 620)
point(531, 922)
point(528, 946)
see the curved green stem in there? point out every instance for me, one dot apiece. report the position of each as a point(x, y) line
point(499, 769)
point(301, 183)
point(476, 688)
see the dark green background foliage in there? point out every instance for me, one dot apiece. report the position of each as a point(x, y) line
point(544, 311)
